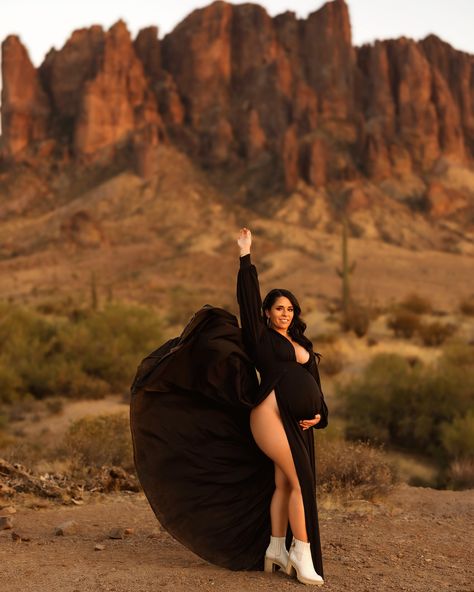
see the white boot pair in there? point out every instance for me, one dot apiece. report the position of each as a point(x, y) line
point(299, 560)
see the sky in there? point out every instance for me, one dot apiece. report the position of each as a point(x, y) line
point(48, 23)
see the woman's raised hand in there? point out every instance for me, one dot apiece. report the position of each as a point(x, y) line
point(244, 241)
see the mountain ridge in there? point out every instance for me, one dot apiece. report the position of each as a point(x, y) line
point(235, 116)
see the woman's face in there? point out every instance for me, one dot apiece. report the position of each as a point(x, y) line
point(281, 313)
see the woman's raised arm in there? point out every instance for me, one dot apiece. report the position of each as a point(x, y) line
point(248, 292)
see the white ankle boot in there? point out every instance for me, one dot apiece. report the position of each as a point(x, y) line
point(276, 554)
point(301, 562)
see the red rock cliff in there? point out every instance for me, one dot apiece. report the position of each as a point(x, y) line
point(233, 87)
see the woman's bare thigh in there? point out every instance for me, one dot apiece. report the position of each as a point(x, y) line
point(270, 436)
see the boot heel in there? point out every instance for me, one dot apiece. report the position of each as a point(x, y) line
point(269, 565)
point(290, 570)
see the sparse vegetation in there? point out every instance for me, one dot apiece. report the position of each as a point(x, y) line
point(434, 334)
point(460, 474)
point(84, 355)
point(357, 319)
point(353, 470)
point(333, 360)
point(413, 406)
point(466, 306)
point(416, 303)
point(404, 323)
point(100, 440)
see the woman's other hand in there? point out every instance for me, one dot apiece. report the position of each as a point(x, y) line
point(309, 423)
point(244, 241)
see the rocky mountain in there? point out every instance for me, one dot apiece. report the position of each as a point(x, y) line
point(283, 117)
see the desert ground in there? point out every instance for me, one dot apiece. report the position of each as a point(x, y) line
point(414, 540)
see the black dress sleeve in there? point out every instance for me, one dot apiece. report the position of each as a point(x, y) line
point(313, 368)
point(250, 301)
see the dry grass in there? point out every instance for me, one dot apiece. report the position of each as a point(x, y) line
point(353, 470)
point(460, 474)
point(100, 440)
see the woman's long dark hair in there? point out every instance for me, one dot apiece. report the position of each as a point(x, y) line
point(297, 326)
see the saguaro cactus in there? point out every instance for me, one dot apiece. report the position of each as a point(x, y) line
point(94, 295)
point(346, 271)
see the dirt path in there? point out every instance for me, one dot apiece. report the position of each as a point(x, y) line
point(416, 540)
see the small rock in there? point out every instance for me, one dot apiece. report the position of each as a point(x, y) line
point(116, 533)
point(6, 522)
point(99, 547)
point(128, 531)
point(69, 527)
point(7, 510)
point(17, 537)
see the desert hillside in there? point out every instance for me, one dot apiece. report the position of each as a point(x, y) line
point(111, 139)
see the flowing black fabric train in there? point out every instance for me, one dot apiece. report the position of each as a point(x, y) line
point(205, 478)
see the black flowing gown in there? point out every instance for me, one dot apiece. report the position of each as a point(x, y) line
point(200, 468)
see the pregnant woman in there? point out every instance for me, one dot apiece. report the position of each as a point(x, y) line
point(291, 403)
point(227, 461)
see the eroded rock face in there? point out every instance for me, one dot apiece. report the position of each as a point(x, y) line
point(233, 86)
point(64, 73)
point(118, 101)
point(25, 106)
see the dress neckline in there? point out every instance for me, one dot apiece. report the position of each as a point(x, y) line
point(292, 347)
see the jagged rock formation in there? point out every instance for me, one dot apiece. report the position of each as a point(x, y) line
point(282, 100)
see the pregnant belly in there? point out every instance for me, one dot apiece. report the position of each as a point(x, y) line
point(299, 393)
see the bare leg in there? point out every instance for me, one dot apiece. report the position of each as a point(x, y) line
point(280, 503)
point(270, 436)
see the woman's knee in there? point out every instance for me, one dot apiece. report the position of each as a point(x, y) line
point(281, 481)
point(285, 481)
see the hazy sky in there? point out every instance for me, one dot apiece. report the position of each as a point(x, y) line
point(47, 23)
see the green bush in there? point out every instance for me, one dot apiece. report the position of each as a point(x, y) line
point(458, 436)
point(404, 323)
point(83, 355)
point(10, 383)
point(405, 404)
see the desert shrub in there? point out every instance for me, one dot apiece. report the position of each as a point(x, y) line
point(403, 404)
point(332, 360)
point(87, 355)
point(416, 303)
point(25, 452)
point(10, 383)
point(324, 338)
point(185, 302)
point(458, 436)
point(100, 440)
point(357, 319)
point(404, 323)
point(55, 405)
point(466, 306)
point(353, 470)
point(434, 334)
point(460, 474)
